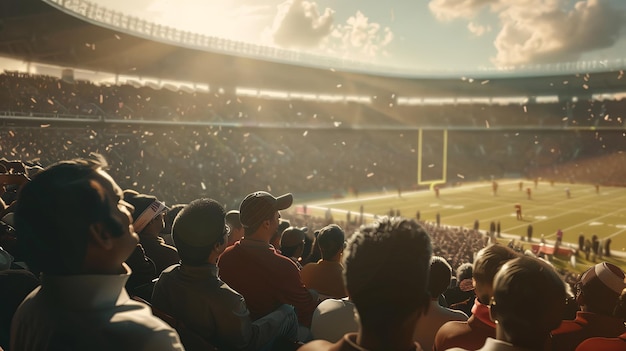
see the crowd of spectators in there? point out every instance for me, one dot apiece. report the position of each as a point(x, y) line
point(178, 164)
point(454, 247)
point(26, 94)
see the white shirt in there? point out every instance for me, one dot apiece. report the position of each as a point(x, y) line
point(88, 312)
point(333, 318)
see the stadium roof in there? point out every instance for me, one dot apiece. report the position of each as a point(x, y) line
point(34, 31)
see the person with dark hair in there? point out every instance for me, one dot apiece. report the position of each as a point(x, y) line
point(472, 334)
point(292, 244)
point(386, 276)
point(314, 253)
point(609, 344)
point(192, 293)
point(76, 230)
point(524, 315)
point(597, 294)
point(461, 297)
point(326, 275)
point(439, 278)
point(168, 219)
point(275, 240)
point(253, 268)
point(148, 221)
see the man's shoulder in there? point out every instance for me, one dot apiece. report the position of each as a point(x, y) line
point(128, 326)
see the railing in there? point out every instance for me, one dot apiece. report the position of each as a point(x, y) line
point(116, 20)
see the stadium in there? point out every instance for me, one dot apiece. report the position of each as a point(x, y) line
point(182, 115)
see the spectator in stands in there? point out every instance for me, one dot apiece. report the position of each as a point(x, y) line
point(148, 222)
point(461, 297)
point(314, 253)
point(252, 267)
point(76, 229)
point(326, 275)
point(168, 219)
point(275, 240)
point(471, 335)
point(608, 344)
point(597, 294)
point(16, 284)
point(192, 293)
point(523, 314)
point(236, 229)
point(292, 244)
point(386, 276)
point(439, 278)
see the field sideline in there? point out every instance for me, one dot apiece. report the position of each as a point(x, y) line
point(548, 210)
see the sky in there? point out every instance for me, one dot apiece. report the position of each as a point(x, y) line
point(428, 35)
point(416, 35)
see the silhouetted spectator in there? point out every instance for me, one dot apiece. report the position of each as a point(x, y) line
point(76, 230)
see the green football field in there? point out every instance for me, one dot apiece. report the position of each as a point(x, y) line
point(549, 209)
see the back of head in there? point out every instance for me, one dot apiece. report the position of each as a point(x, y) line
point(439, 277)
point(292, 240)
point(331, 241)
point(386, 270)
point(197, 228)
point(54, 213)
point(282, 225)
point(525, 312)
point(488, 262)
point(170, 215)
point(464, 271)
point(599, 288)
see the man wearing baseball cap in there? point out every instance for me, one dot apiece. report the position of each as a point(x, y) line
point(252, 266)
point(597, 293)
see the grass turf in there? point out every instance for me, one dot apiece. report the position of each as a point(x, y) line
point(548, 210)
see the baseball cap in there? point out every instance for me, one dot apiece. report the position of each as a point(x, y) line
point(232, 219)
point(260, 205)
point(610, 276)
point(147, 207)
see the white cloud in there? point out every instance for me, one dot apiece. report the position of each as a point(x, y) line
point(359, 37)
point(478, 29)
point(540, 31)
point(299, 24)
point(446, 10)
